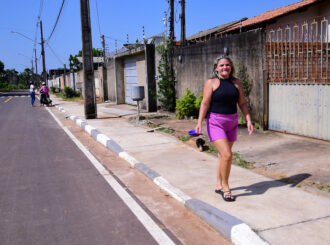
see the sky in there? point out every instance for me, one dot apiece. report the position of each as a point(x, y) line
point(115, 19)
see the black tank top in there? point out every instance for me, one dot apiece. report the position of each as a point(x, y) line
point(224, 98)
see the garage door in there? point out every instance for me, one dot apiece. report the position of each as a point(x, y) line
point(302, 109)
point(130, 79)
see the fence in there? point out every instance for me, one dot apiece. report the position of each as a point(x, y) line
point(299, 52)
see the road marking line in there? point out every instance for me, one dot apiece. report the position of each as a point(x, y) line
point(8, 99)
point(155, 231)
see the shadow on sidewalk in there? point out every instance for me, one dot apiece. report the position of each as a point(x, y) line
point(262, 187)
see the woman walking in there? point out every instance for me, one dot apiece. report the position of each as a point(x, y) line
point(33, 97)
point(221, 95)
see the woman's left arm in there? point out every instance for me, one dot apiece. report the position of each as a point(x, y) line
point(243, 105)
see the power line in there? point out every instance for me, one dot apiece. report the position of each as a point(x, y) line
point(176, 11)
point(58, 17)
point(98, 19)
point(115, 39)
point(61, 62)
point(37, 27)
point(40, 8)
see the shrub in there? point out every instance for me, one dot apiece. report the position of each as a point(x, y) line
point(186, 105)
point(3, 84)
point(53, 89)
point(198, 103)
point(69, 92)
point(12, 87)
point(22, 86)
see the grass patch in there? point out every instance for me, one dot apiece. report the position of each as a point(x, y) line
point(241, 162)
point(184, 138)
point(73, 99)
point(156, 117)
point(320, 186)
point(166, 130)
point(152, 125)
point(256, 126)
point(210, 148)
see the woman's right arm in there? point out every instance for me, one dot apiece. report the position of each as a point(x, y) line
point(207, 94)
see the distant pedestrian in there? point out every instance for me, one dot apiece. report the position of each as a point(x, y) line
point(222, 93)
point(44, 95)
point(33, 97)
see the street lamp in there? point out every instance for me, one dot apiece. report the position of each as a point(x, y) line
point(23, 35)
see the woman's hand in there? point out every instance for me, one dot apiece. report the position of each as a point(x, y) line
point(250, 127)
point(198, 129)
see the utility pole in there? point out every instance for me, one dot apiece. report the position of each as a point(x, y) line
point(172, 21)
point(64, 77)
point(73, 80)
point(172, 85)
point(183, 23)
point(87, 53)
point(44, 73)
point(104, 73)
point(165, 23)
point(35, 60)
point(143, 34)
point(73, 77)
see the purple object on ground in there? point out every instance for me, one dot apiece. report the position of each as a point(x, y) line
point(193, 133)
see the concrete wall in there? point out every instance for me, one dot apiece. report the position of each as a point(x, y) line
point(197, 65)
point(80, 82)
point(141, 77)
point(111, 80)
point(119, 81)
point(98, 83)
point(68, 81)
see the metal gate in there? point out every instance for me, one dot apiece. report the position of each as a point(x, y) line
point(130, 79)
point(298, 67)
point(300, 109)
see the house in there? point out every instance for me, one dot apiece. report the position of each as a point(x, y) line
point(286, 55)
point(131, 66)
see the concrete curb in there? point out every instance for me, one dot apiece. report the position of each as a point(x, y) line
point(232, 228)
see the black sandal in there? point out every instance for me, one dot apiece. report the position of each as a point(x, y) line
point(227, 196)
point(218, 191)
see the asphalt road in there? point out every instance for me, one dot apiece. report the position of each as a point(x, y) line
point(50, 193)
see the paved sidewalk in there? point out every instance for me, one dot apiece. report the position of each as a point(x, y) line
point(274, 210)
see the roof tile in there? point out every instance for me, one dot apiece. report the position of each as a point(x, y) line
point(270, 15)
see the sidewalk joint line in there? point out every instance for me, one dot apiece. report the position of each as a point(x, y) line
point(301, 222)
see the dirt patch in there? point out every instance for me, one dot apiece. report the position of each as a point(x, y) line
point(249, 152)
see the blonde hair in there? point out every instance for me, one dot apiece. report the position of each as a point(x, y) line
point(215, 64)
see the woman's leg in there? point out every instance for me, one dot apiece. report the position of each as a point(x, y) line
point(219, 179)
point(32, 98)
point(224, 163)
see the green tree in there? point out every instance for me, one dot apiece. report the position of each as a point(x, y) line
point(2, 71)
point(2, 67)
point(75, 65)
point(25, 77)
point(166, 84)
point(246, 82)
